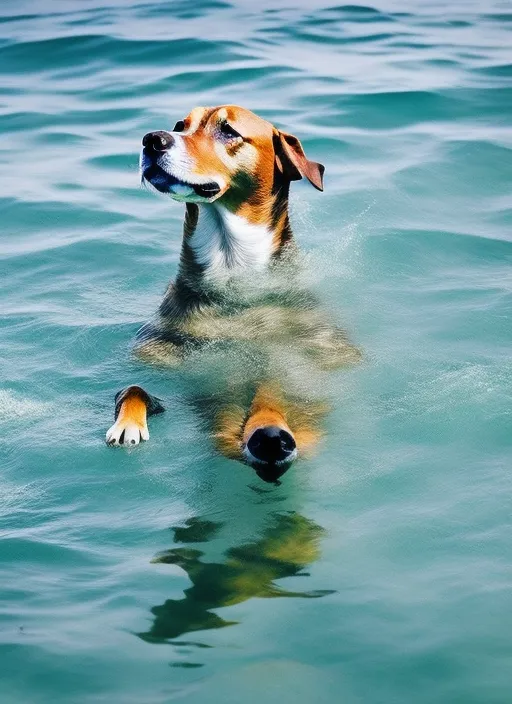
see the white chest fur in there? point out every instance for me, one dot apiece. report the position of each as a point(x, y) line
point(224, 243)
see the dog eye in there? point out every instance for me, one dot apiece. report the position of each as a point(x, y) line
point(228, 131)
point(179, 126)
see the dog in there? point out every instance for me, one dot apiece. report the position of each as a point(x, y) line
point(237, 286)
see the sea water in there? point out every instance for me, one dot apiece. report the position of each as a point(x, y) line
point(379, 571)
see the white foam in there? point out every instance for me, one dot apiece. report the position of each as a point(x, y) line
point(12, 405)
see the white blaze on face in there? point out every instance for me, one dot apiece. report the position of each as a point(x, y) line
point(176, 160)
point(178, 163)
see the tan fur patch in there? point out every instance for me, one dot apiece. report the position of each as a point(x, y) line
point(133, 409)
point(266, 409)
point(227, 431)
point(159, 352)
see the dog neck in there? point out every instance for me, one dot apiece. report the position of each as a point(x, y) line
point(220, 244)
point(224, 243)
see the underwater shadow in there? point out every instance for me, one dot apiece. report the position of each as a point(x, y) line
point(288, 545)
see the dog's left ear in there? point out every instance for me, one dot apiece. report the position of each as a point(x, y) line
point(293, 163)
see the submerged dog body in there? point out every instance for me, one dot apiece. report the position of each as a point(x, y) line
point(236, 282)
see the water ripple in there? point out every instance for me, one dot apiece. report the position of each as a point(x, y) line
point(401, 523)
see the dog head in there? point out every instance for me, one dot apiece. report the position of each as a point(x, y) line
point(226, 153)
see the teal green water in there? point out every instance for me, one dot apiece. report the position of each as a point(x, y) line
point(392, 545)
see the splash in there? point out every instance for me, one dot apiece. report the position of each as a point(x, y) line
point(12, 405)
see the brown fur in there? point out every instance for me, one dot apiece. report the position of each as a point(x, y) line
point(133, 410)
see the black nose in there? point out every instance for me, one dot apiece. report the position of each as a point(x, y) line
point(158, 141)
point(271, 444)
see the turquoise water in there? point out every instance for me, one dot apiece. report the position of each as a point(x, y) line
point(154, 575)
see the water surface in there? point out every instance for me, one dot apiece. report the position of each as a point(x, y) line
point(379, 572)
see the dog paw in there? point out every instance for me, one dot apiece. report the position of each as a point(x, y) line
point(126, 433)
point(133, 406)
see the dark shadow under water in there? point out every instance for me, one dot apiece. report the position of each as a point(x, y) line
point(287, 546)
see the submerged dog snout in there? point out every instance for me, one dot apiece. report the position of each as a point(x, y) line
point(271, 444)
point(158, 141)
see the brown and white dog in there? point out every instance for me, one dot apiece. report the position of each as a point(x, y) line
point(233, 170)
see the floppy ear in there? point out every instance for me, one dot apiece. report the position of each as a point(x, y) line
point(293, 163)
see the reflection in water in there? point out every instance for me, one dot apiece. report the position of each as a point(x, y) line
point(196, 530)
point(288, 545)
